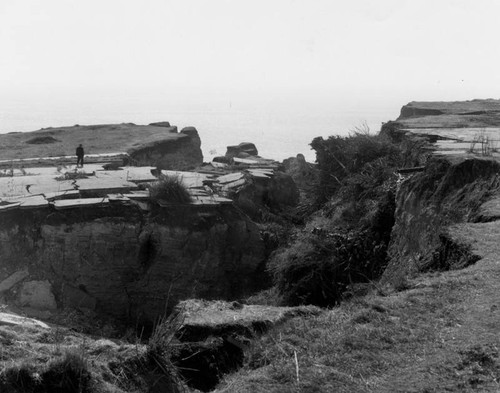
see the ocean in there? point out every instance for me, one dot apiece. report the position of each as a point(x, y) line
point(281, 125)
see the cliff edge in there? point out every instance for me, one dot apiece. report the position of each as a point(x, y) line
point(157, 144)
point(431, 323)
point(460, 176)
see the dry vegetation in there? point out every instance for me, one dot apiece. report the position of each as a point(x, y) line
point(424, 339)
point(169, 189)
point(345, 241)
point(40, 360)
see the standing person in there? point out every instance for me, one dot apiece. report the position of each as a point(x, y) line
point(79, 155)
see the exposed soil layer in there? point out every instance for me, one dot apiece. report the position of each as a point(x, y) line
point(135, 265)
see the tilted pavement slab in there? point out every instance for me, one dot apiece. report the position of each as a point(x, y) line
point(17, 320)
point(79, 203)
point(189, 179)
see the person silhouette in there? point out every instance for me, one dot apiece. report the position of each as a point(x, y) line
point(79, 155)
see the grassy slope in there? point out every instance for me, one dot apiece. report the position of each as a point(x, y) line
point(90, 362)
point(95, 139)
point(439, 335)
point(37, 347)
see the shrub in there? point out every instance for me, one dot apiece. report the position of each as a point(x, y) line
point(349, 244)
point(360, 154)
point(19, 378)
point(170, 189)
point(69, 374)
point(152, 370)
point(318, 267)
point(40, 140)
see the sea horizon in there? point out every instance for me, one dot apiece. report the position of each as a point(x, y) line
point(280, 126)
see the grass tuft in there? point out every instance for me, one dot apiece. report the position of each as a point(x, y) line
point(152, 369)
point(169, 189)
point(68, 374)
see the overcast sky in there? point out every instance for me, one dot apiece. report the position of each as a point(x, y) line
point(425, 49)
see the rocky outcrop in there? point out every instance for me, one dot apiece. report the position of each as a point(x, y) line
point(261, 194)
point(304, 174)
point(243, 150)
point(130, 264)
point(183, 153)
point(259, 191)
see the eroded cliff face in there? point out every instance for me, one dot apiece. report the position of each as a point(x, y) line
point(130, 264)
point(447, 192)
point(458, 140)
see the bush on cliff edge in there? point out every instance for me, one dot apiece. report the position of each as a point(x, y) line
point(347, 239)
point(323, 260)
point(362, 159)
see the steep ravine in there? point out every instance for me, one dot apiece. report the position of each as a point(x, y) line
point(130, 264)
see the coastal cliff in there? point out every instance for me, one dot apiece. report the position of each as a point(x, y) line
point(157, 144)
point(429, 321)
point(460, 176)
point(400, 243)
point(133, 265)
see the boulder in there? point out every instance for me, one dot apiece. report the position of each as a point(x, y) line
point(190, 131)
point(222, 159)
point(37, 295)
point(243, 147)
point(258, 193)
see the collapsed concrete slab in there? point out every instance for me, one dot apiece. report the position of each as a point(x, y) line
point(17, 320)
point(80, 203)
point(33, 202)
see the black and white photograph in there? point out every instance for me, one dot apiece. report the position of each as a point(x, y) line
point(232, 196)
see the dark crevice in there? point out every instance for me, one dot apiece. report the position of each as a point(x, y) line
point(147, 252)
point(450, 255)
point(203, 364)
